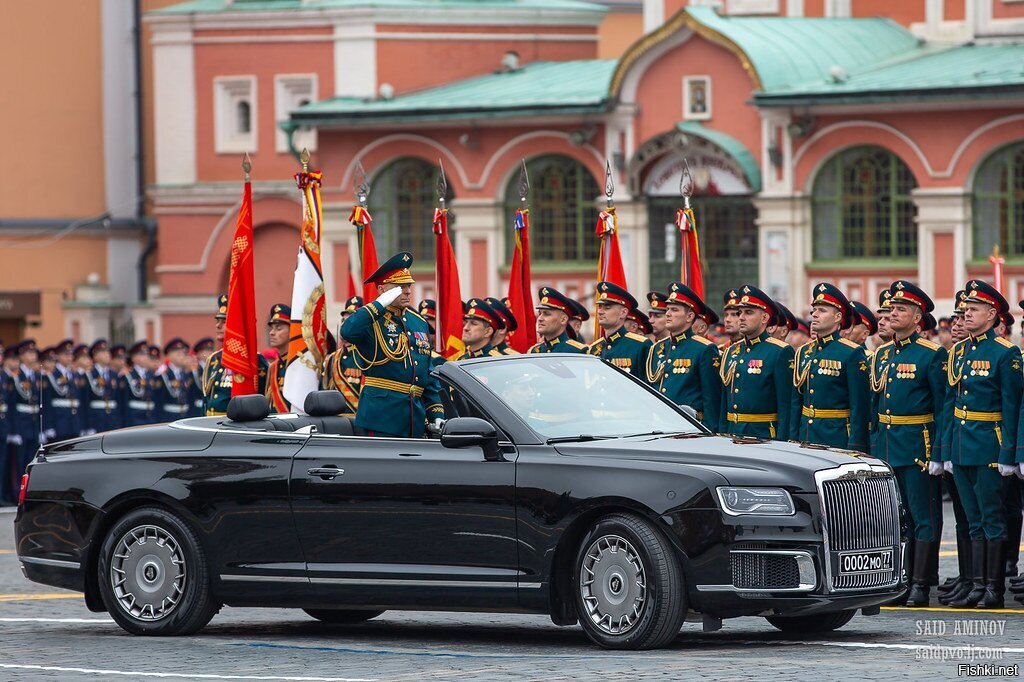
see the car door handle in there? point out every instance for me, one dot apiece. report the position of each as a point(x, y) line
point(326, 473)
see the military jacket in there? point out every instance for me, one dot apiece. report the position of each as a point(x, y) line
point(560, 344)
point(759, 397)
point(506, 349)
point(196, 400)
point(100, 400)
point(339, 373)
point(982, 402)
point(171, 394)
point(137, 399)
point(59, 403)
point(217, 382)
point(625, 350)
point(487, 351)
point(5, 410)
point(684, 368)
point(831, 375)
point(908, 389)
point(25, 406)
point(393, 351)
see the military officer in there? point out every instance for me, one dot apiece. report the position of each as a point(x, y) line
point(393, 350)
point(509, 325)
point(25, 426)
point(638, 323)
point(831, 376)
point(704, 321)
point(76, 371)
point(171, 386)
point(216, 377)
point(908, 381)
point(100, 405)
point(731, 316)
point(118, 356)
point(656, 302)
point(619, 347)
point(579, 315)
point(279, 324)
point(202, 350)
point(800, 334)
point(757, 372)
point(428, 311)
point(339, 371)
point(137, 395)
point(684, 366)
point(944, 329)
point(59, 399)
point(882, 316)
point(554, 311)
point(984, 396)
point(480, 321)
point(865, 324)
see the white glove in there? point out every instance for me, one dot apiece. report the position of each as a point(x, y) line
point(935, 468)
point(14, 439)
point(389, 296)
point(1007, 469)
point(948, 466)
point(438, 423)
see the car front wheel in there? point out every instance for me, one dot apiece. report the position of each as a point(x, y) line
point(153, 575)
point(628, 585)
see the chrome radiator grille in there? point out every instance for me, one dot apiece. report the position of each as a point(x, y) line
point(860, 513)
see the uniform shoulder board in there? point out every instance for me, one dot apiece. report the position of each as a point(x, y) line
point(847, 342)
point(930, 345)
point(701, 339)
point(415, 314)
point(533, 347)
point(576, 344)
point(1004, 341)
point(774, 341)
point(636, 337)
point(884, 345)
point(495, 353)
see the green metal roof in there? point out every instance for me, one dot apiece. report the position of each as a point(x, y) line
point(990, 70)
point(537, 89)
point(223, 6)
point(736, 149)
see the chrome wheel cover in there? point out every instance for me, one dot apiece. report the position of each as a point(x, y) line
point(147, 573)
point(613, 584)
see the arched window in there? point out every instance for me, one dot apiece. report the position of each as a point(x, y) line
point(999, 203)
point(862, 206)
point(244, 112)
point(563, 212)
point(402, 202)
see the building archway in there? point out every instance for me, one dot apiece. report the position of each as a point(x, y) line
point(402, 200)
point(998, 203)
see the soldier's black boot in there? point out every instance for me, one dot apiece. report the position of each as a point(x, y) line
point(920, 592)
point(1011, 549)
point(908, 567)
point(977, 590)
point(961, 585)
point(994, 578)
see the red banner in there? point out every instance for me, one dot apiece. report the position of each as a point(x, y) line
point(448, 324)
point(520, 287)
point(240, 340)
point(691, 274)
point(362, 219)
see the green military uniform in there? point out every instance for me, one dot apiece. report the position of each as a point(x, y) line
point(560, 344)
point(509, 320)
point(487, 351)
point(392, 348)
point(481, 309)
point(552, 299)
point(983, 408)
point(280, 313)
point(339, 373)
point(621, 348)
point(757, 376)
point(832, 378)
point(217, 378)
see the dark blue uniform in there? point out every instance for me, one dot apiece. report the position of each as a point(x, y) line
point(25, 422)
point(102, 409)
point(59, 406)
point(172, 394)
point(6, 448)
point(138, 398)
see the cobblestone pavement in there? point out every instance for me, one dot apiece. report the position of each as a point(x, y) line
point(49, 634)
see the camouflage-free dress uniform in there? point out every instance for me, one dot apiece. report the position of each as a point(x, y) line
point(625, 350)
point(831, 375)
point(171, 394)
point(137, 398)
point(684, 369)
point(102, 410)
point(560, 344)
point(757, 377)
point(217, 382)
point(487, 351)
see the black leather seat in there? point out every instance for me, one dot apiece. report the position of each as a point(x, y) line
point(323, 412)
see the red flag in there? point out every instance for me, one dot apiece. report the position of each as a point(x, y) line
point(520, 287)
point(351, 282)
point(609, 260)
point(240, 341)
point(361, 218)
point(449, 295)
point(691, 274)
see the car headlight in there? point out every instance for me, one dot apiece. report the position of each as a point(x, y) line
point(764, 501)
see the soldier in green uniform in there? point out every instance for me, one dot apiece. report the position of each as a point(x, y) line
point(509, 325)
point(638, 323)
point(480, 323)
point(757, 373)
point(279, 324)
point(831, 376)
point(618, 347)
point(684, 367)
point(864, 324)
point(392, 347)
point(908, 380)
point(216, 378)
point(577, 317)
point(706, 319)
point(553, 312)
point(882, 316)
point(339, 371)
point(656, 307)
point(984, 397)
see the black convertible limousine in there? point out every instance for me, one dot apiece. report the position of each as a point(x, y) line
point(559, 486)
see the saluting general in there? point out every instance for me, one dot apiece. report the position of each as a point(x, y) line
point(831, 376)
point(392, 346)
point(684, 367)
point(554, 309)
point(908, 380)
point(619, 347)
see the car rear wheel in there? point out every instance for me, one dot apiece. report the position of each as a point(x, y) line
point(628, 585)
point(812, 624)
point(153, 575)
point(342, 616)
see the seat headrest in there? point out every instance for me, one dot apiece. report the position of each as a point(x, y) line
point(324, 404)
point(248, 408)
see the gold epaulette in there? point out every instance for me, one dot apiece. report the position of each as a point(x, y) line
point(800, 374)
point(636, 337)
point(849, 343)
point(773, 340)
point(1006, 342)
point(701, 339)
point(576, 344)
point(533, 348)
point(930, 345)
point(511, 351)
point(495, 353)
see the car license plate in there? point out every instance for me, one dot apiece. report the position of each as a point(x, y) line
point(871, 561)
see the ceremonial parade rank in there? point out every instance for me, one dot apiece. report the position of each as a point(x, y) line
point(757, 377)
point(684, 368)
point(831, 375)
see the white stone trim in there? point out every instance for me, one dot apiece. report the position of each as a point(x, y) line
point(654, 14)
point(370, 34)
point(228, 93)
point(355, 58)
point(795, 8)
point(184, 304)
point(741, 7)
point(631, 81)
point(697, 116)
point(942, 210)
point(451, 160)
point(532, 135)
point(174, 107)
point(985, 25)
point(119, 133)
point(289, 90)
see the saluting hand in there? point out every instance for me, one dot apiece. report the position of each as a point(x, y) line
point(389, 296)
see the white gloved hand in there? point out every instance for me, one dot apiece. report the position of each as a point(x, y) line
point(389, 296)
point(935, 468)
point(948, 466)
point(438, 423)
point(14, 439)
point(1006, 469)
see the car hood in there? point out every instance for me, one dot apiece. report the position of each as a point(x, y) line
point(741, 461)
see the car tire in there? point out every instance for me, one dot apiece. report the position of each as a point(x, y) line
point(153, 575)
point(342, 616)
point(628, 585)
point(811, 625)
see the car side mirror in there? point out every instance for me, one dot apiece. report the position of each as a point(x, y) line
point(465, 432)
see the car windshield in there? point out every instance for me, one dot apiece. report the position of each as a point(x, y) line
point(566, 397)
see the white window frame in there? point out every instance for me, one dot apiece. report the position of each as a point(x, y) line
point(228, 91)
point(696, 116)
point(289, 88)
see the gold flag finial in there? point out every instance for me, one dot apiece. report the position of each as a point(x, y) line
point(304, 158)
point(246, 166)
point(995, 251)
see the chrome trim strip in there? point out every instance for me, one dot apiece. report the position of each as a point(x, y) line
point(265, 578)
point(50, 562)
point(394, 582)
point(804, 562)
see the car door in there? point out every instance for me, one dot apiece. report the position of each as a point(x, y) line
point(406, 522)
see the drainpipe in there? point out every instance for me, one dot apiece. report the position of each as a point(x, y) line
point(140, 166)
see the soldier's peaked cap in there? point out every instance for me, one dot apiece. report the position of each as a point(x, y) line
point(928, 322)
point(175, 344)
point(552, 299)
point(64, 346)
point(479, 309)
point(752, 297)
point(684, 295)
point(579, 311)
point(961, 301)
point(979, 291)
point(279, 312)
point(98, 346)
point(81, 350)
point(884, 301)
point(656, 302)
point(394, 270)
point(26, 346)
point(787, 315)
point(139, 347)
point(829, 294)
point(205, 343)
point(428, 309)
point(907, 292)
point(865, 317)
point(353, 304)
point(222, 307)
point(641, 320)
point(506, 314)
point(609, 292)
